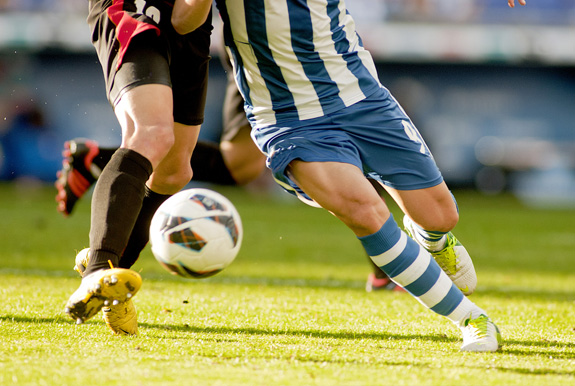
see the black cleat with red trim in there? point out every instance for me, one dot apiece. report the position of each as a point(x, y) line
point(78, 173)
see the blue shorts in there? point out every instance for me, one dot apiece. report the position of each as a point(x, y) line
point(375, 135)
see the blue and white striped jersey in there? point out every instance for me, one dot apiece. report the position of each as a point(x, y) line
point(296, 59)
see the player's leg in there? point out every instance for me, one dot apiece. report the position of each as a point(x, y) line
point(189, 62)
point(398, 157)
point(168, 178)
point(145, 115)
point(242, 157)
point(377, 279)
point(431, 214)
point(142, 98)
point(144, 112)
point(171, 174)
point(357, 204)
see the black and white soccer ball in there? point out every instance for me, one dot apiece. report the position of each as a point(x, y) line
point(196, 233)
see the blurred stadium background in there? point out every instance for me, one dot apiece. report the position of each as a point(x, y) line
point(491, 89)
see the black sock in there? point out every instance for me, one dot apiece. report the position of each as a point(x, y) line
point(209, 166)
point(116, 203)
point(141, 231)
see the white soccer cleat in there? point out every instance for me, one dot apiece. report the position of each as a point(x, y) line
point(480, 334)
point(453, 259)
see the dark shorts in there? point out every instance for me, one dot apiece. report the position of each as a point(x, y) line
point(138, 45)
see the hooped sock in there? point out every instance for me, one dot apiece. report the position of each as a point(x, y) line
point(411, 266)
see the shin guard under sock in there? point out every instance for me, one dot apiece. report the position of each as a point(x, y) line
point(411, 266)
point(141, 231)
point(116, 203)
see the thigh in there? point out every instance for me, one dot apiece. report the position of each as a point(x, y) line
point(145, 115)
point(342, 189)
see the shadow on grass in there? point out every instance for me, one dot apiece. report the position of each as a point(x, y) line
point(185, 328)
point(532, 348)
point(299, 333)
point(530, 371)
point(371, 335)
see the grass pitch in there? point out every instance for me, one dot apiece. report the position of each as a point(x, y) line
point(292, 309)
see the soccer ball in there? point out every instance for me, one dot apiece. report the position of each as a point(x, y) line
point(196, 233)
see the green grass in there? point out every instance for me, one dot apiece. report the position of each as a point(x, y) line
point(291, 310)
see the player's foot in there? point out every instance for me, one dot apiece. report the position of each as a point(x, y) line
point(453, 259)
point(108, 287)
point(78, 173)
point(480, 334)
point(378, 284)
point(122, 318)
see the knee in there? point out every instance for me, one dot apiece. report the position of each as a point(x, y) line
point(170, 183)
point(152, 141)
point(443, 221)
point(363, 218)
point(171, 179)
point(161, 141)
point(449, 221)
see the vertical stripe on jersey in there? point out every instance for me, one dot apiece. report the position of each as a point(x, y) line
point(300, 59)
point(348, 44)
point(304, 47)
point(257, 33)
point(412, 267)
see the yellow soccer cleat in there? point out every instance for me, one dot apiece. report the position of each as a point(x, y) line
point(108, 287)
point(122, 319)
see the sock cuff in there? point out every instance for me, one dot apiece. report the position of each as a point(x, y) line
point(424, 235)
point(131, 162)
point(382, 240)
point(150, 194)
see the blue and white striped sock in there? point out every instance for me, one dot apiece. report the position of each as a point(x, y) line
point(430, 240)
point(411, 266)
